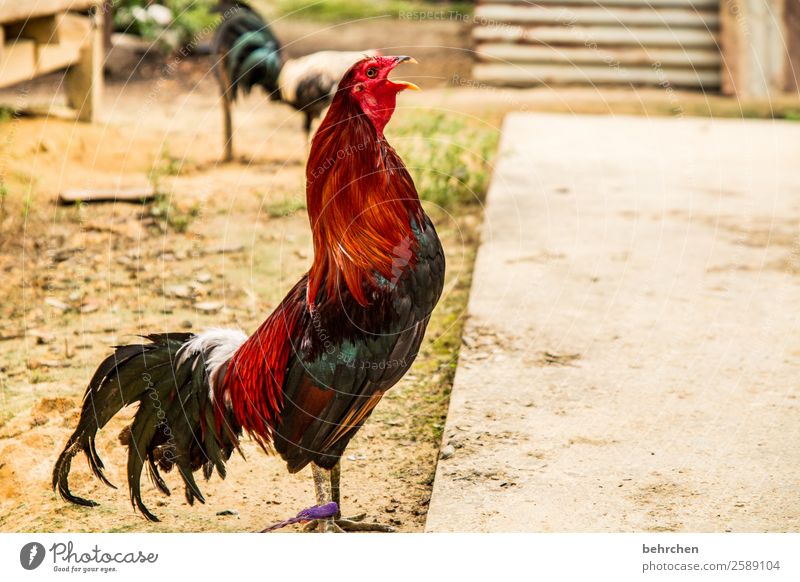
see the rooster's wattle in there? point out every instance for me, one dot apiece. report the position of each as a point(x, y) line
point(311, 375)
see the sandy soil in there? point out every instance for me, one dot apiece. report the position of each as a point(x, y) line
point(79, 279)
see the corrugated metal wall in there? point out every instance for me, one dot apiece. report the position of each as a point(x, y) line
point(644, 42)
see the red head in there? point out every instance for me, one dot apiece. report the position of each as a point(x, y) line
point(368, 83)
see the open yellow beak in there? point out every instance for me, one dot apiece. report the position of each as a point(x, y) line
point(406, 84)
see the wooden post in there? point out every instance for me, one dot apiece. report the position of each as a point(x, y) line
point(84, 80)
point(227, 123)
point(792, 68)
point(108, 23)
point(42, 29)
point(753, 38)
point(732, 41)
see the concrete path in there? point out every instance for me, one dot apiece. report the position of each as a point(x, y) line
point(632, 356)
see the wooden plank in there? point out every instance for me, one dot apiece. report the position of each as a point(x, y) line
point(74, 32)
point(712, 4)
point(42, 29)
point(52, 57)
point(514, 53)
point(75, 28)
point(601, 35)
point(18, 62)
point(791, 21)
point(83, 82)
point(76, 195)
point(528, 75)
point(497, 15)
point(11, 10)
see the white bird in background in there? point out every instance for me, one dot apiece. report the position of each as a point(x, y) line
point(249, 54)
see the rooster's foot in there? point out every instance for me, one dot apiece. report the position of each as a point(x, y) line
point(346, 525)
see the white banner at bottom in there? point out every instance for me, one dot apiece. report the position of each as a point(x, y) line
point(353, 557)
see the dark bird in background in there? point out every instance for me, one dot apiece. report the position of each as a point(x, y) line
point(249, 54)
point(306, 381)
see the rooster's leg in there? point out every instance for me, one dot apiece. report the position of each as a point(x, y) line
point(322, 489)
point(228, 125)
point(307, 127)
point(326, 485)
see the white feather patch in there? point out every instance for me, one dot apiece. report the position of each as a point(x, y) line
point(218, 346)
point(328, 66)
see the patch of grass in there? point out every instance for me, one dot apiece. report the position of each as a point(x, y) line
point(27, 205)
point(166, 165)
point(436, 365)
point(6, 114)
point(450, 157)
point(344, 10)
point(792, 114)
point(169, 217)
point(451, 160)
point(285, 207)
point(3, 198)
point(166, 215)
point(38, 376)
point(190, 19)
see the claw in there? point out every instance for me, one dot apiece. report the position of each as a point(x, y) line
point(346, 525)
point(352, 526)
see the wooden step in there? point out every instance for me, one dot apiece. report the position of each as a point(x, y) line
point(533, 74)
point(511, 53)
point(13, 10)
point(22, 59)
point(601, 35)
point(500, 14)
point(699, 4)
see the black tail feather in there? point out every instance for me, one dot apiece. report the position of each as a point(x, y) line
point(174, 424)
point(61, 471)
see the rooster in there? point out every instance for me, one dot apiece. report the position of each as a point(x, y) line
point(249, 54)
point(311, 375)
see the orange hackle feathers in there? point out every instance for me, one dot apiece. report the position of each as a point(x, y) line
point(361, 203)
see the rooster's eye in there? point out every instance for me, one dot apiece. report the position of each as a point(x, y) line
point(372, 72)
